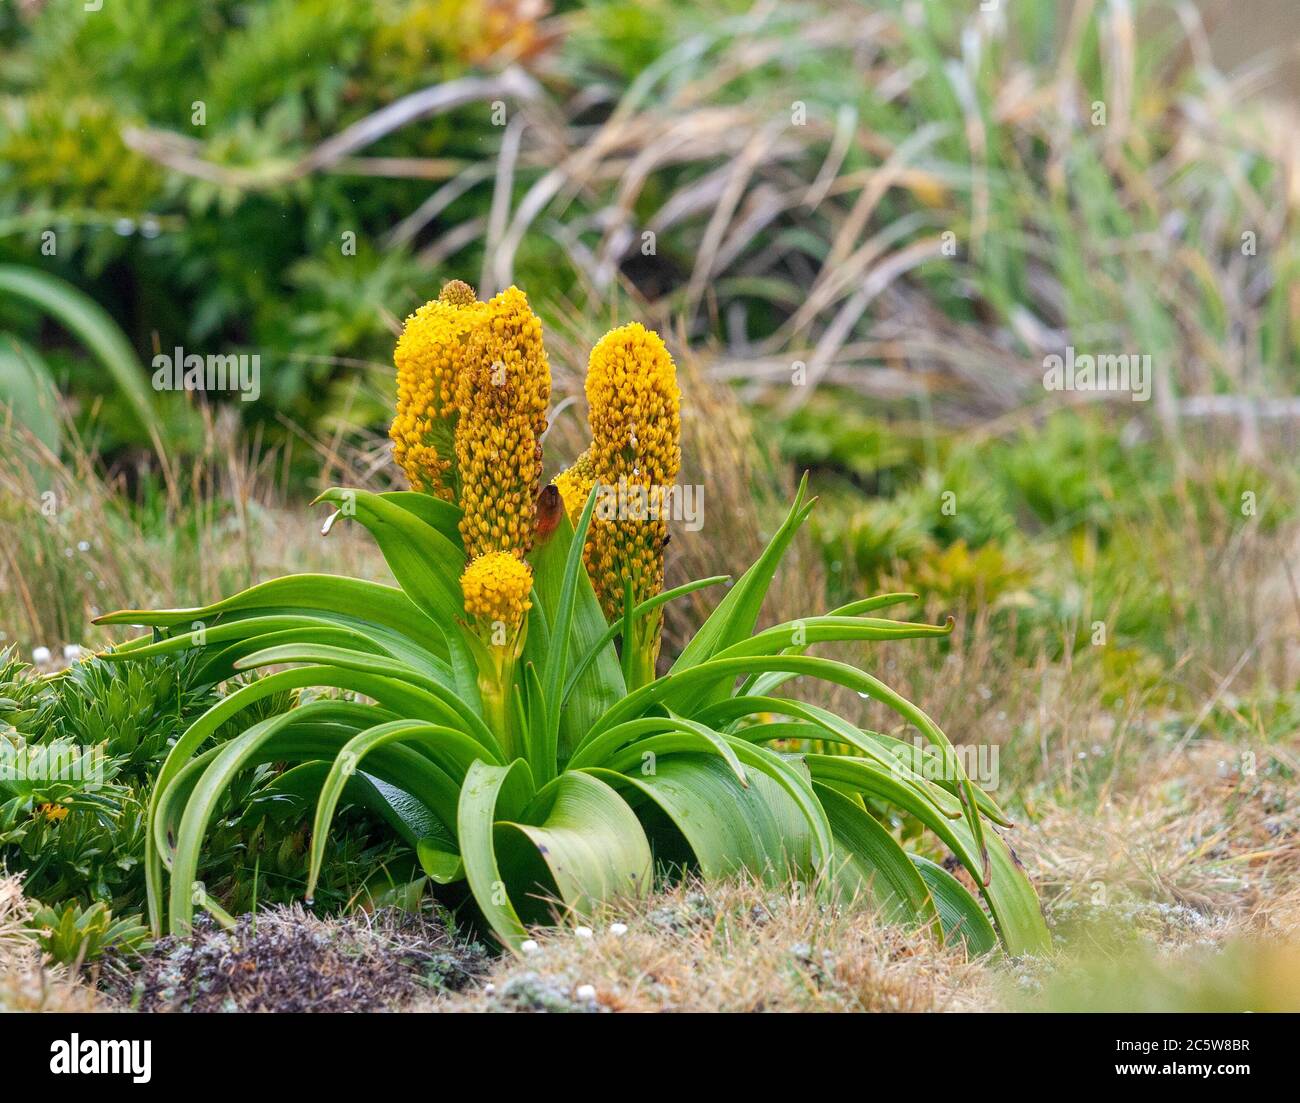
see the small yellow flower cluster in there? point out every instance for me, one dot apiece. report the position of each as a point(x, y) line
point(503, 393)
point(429, 356)
point(496, 586)
point(52, 813)
point(635, 419)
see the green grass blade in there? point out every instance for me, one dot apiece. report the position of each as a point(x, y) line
point(92, 325)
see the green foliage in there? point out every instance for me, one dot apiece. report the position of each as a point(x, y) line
point(96, 330)
point(71, 934)
point(1060, 226)
point(81, 749)
point(556, 787)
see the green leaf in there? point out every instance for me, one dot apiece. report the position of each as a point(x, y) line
point(602, 684)
point(259, 744)
point(1010, 896)
point(868, 860)
point(441, 862)
point(89, 323)
point(959, 912)
point(346, 601)
point(455, 752)
point(27, 388)
point(434, 512)
point(556, 662)
point(489, 793)
point(734, 618)
point(680, 692)
point(409, 817)
point(761, 684)
point(426, 565)
point(729, 828)
point(591, 842)
point(646, 607)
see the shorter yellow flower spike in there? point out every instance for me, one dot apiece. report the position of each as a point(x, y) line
point(634, 411)
point(430, 357)
point(53, 813)
point(496, 586)
point(574, 484)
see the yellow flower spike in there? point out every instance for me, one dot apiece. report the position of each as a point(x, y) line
point(52, 813)
point(635, 415)
point(503, 398)
point(496, 586)
point(574, 484)
point(431, 355)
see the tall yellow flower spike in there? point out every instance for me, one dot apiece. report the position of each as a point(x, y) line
point(503, 398)
point(635, 416)
point(430, 357)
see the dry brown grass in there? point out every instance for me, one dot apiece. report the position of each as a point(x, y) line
point(1213, 828)
point(733, 946)
point(26, 983)
point(225, 523)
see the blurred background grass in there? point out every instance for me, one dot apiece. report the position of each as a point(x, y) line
point(911, 203)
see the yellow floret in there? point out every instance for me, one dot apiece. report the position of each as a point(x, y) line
point(496, 588)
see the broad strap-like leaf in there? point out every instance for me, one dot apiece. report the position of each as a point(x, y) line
point(259, 744)
point(644, 609)
point(555, 561)
point(95, 328)
point(402, 700)
point(591, 842)
point(736, 614)
point(434, 512)
point(426, 565)
point(350, 602)
point(28, 391)
point(1010, 896)
point(869, 861)
point(760, 684)
point(488, 793)
point(679, 693)
point(729, 827)
point(451, 748)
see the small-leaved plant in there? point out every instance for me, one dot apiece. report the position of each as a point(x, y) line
point(500, 706)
